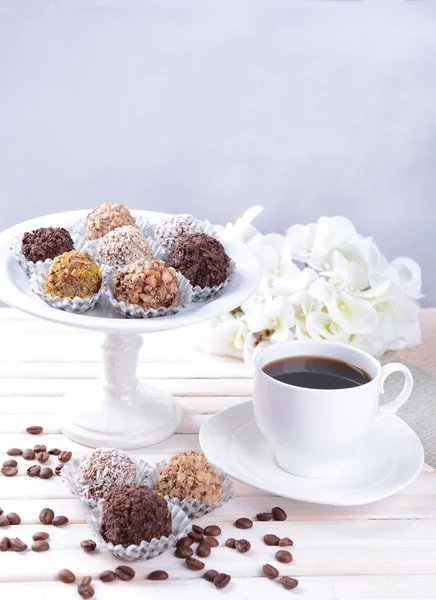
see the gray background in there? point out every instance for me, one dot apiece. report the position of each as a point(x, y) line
point(316, 109)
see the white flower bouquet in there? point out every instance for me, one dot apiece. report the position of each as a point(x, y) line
point(320, 281)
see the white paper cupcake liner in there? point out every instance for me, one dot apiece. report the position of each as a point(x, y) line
point(73, 305)
point(70, 477)
point(200, 294)
point(194, 508)
point(137, 312)
point(79, 230)
point(91, 246)
point(145, 550)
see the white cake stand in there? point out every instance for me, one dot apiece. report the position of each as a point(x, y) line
point(119, 411)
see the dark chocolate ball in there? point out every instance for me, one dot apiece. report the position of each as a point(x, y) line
point(46, 242)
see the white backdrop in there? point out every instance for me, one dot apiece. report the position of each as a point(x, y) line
point(319, 108)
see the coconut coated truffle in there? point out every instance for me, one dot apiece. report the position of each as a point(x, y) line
point(174, 227)
point(105, 218)
point(46, 242)
point(73, 274)
point(123, 246)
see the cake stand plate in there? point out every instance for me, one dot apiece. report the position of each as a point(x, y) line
point(119, 411)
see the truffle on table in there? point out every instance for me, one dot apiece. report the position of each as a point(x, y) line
point(174, 227)
point(201, 259)
point(73, 274)
point(46, 242)
point(149, 284)
point(189, 476)
point(132, 514)
point(105, 218)
point(124, 245)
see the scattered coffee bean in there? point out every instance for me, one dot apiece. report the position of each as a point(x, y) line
point(124, 573)
point(230, 543)
point(5, 544)
point(158, 576)
point(40, 546)
point(221, 580)
point(270, 571)
point(18, 545)
point(14, 519)
point(29, 454)
point(284, 556)
point(271, 540)
point(58, 469)
point(54, 451)
point(40, 535)
point(197, 529)
point(288, 582)
point(45, 473)
point(9, 471)
point(210, 575)
point(85, 580)
point(46, 516)
point(279, 514)
point(183, 552)
point(39, 448)
point(265, 516)
point(42, 457)
point(212, 530)
point(211, 541)
point(86, 591)
point(242, 545)
point(107, 576)
point(65, 456)
point(4, 522)
point(184, 541)
point(14, 452)
point(286, 542)
point(88, 545)
point(10, 463)
point(243, 523)
point(194, 564)
point(203, 550)
point(34, 471)
point(195, 537)
point(59, 520)
point(34, 429)
point(66, 576)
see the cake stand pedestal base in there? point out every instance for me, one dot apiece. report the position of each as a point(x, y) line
point(119, 412)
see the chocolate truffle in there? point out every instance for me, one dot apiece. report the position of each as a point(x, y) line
point(123, 246)
point(189, 476)
point(46, 242)
point(149, 284)
point(73, 274)
point(102, 469)
point(171, 229)
point(105, 218)
point(201, 259)
point(133, 513)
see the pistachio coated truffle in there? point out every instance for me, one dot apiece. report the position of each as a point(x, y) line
point(124, 245)
point(105, 218)
point(46, 242)
point(73, 274)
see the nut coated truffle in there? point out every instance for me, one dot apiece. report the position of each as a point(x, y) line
point(132, 514)
point(124, 245)
point(73, 274)
point(46, 242)
point(149, 284)
point(201, 259)
point(105, 218)
point(174, 227)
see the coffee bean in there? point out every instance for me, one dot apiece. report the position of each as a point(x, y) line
point(29, 454)
point(9, 471)
point(221, 580)
point(59, 520)
point(158, 576)
point(4, 522)
point(65, 456)
point(39, 448)
point(124, 573)
point(212, 530)
point(242, 545)
point(46, 516)
point(265, 516)
point(14, 519)
point(271, 540)
point(86, 591)
point(183, 552)
point(197, 529)
point(288, 583)
point(85, 580)
point(18, 545)
point(194, 564)
point(203, 550)
point(210, 575)
point(243, 523)
point(10, 463)
point(211, 541)
point(42, 457)
point(284, 556)
point(184, 541)
point(230, 543)
point(14, 452)
point(54, 451)
point(34, 429)
point(195, 537)
point(34, 471)
point(40, 535)
point(66, 576)
point(107, 576)
point(286, 542)
point(270, 571)
point(45, 473)
point(5, 544)
point(279, 514)
point(88, 545)
point(40, 546)
point(58, 469)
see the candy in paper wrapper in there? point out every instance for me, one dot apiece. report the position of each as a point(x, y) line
point(80, 235)
point(174, 227)
point(73, 275)
point(105, 218)
point(45, 243)
point(123, 246)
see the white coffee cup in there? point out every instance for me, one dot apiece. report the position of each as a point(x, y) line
point(313, 431)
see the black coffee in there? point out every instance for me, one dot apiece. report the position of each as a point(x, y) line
point(317, 372)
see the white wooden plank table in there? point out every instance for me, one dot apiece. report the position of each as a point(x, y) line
point(384, 550)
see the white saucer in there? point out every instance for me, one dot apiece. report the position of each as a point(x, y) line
point(390, 458)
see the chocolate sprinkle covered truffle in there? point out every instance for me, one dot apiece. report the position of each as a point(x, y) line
point(123, 246)
point(201, 259)
point(174, 227)
point(46, 242)
point(132, 514)
point(73, 274)
point(105, 218)
point(149, 284)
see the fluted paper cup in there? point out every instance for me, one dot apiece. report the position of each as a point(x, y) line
point(200, 294)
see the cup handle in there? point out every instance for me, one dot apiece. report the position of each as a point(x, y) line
point(391, 407)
